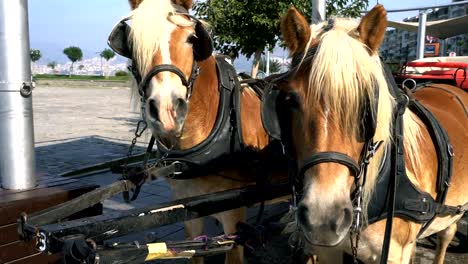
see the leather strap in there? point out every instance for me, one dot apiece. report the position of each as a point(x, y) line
point(157, 69)
point(141, 181)
point(329, 156)
point(397, 150)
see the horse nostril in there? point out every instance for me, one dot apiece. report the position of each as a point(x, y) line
point(153, 110)
point(303, 215)
point(342, 223)
point(180, 106)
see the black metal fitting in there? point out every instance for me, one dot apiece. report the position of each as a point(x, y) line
point(26, 89)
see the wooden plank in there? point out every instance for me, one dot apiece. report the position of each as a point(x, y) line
point(13, 204)
point(9, 233)
point(36, 259)
point(16, 250)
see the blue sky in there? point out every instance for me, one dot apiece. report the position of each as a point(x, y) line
point(55, 24)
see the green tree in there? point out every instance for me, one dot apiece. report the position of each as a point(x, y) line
point(52, 65)
point(275, 66)
point(247, 27)
point(35, 56)
point(74, 54)
point(107, 54)
point(460, 44)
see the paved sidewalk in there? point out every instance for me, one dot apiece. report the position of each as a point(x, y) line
point(76, 127)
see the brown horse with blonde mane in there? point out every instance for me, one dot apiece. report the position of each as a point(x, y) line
point(340, 103)
point(182, 100)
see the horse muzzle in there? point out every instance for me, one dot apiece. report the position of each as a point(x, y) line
point(167, 114)
point(322, 228)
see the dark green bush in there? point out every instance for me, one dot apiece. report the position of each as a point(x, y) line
point(121, 73)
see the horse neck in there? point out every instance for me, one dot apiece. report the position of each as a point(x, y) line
point(203, 110)
point(203, 106)
point(253, 132)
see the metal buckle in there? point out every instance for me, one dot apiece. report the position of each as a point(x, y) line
point(450, 150)
point(409, 80)
point(425, 206)
point(143, 125)
point(177, 167)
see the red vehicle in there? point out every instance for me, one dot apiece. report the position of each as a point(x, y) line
point(450, 70)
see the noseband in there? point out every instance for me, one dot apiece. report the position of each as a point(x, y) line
point(144, 83)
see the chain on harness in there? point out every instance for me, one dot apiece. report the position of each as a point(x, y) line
point(355, 232)
point(140, 129)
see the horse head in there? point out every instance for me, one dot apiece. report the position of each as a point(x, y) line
point(341, 103)
point(165, 43)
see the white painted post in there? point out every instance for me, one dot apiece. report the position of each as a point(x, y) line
point(17, 157)
point(318, 11)
point(267, 70)
point(421, 34)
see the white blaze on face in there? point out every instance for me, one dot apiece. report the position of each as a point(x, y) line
point(322, 194)
point(166, 86)
point(325, 126)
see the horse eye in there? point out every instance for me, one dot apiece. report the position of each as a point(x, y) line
point(191, 38)
point(291, 100)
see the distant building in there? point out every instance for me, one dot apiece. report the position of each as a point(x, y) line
point(92, 66)
point(400, 45)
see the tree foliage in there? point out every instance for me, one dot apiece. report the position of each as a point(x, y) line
point(107, 54)
point(52, 65)
point(247, 27)
point(35, 55)
point(275, 66)
point(346, 8)
point(74, 54)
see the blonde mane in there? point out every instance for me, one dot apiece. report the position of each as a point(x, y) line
point(150, 22)
point(342, 77)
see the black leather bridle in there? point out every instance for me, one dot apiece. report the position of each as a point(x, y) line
point(370, 147)
point(144, 83)
point(358, 168)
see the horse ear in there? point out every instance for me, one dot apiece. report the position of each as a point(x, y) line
point(372, 27)
point(187, 4)
point(134, 3)
point(295, 31)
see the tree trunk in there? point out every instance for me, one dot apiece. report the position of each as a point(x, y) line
point(256, 63)
point(102, 69)
point(71, 70)
point(106, 67)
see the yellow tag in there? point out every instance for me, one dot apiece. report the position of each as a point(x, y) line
point(157, 251)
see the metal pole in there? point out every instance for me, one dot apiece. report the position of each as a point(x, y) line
point(17, 158)
point(318, 11)
point(421, 34)
point(267, 70)
point(420, 8)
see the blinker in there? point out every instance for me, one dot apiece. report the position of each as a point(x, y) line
point(119, 38)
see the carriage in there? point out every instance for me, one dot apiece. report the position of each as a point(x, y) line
point(264, 132)
point(449, 70)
